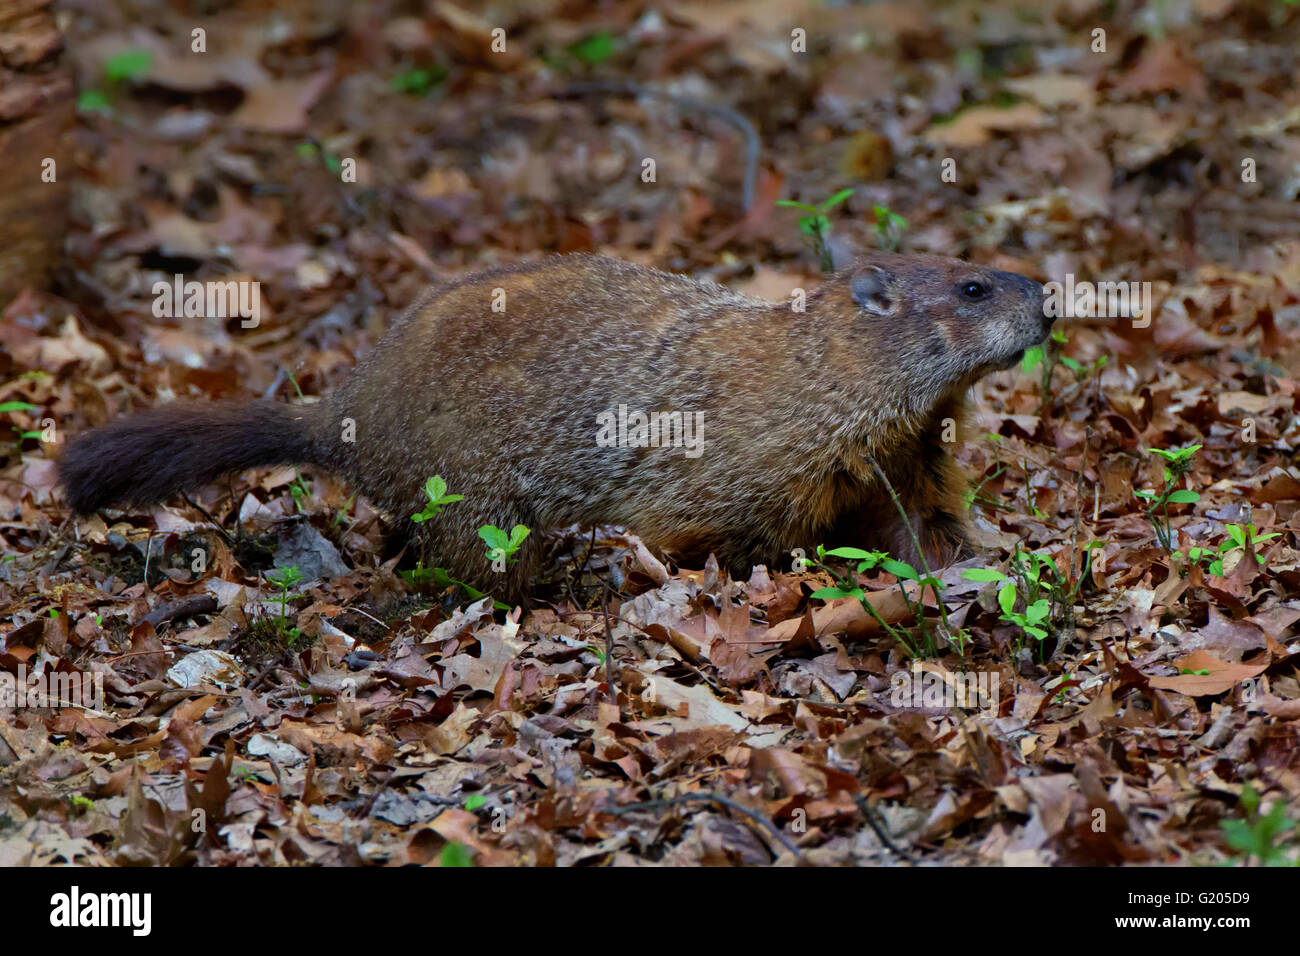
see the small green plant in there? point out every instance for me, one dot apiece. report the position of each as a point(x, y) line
point(455, 854)
point(1045, 358)
point(309, 149)
point(284, 579)
point(596, 48)
point(418, 577)
point(1263, 837)
point(299, 490)
point(1048, 357)
point(435, 489)
point(418, 83)
point(845, 586)
point(475, 801)
point(1082, 371)
point(1178, 462)
point(424, 580)
point(890, 227)
point(1240, 537)
point(6, 407)
point(90, 102)
point(129, 65)
point(976, 492)
point(1035, 594)
point(341, 513)
point(1067, 681)
point(816, 225)
point(502, 545)
point(1032, 618)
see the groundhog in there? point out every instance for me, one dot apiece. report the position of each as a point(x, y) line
point(584, 390)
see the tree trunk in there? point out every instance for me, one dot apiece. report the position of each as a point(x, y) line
point(37, 107)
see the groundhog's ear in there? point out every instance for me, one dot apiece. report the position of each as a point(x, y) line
point(870, 290)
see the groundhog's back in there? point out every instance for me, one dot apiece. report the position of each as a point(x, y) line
point(505, 402)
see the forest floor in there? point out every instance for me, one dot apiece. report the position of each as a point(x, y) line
point(1142, 699)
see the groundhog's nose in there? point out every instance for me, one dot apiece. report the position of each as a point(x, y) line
point(1038, 296)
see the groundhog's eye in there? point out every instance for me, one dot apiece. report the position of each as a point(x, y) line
point(974, 290)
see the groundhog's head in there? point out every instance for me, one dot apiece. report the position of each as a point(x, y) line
point(954, 320)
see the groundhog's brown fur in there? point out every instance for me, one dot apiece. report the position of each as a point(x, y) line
point(504, 405)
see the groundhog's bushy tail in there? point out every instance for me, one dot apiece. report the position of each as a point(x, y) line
point(146, 458)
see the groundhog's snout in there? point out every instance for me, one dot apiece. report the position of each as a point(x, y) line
point(1037, 294)
point(1032, 295)
point(1025, 322)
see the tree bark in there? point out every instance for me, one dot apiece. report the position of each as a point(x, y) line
point(37, 108)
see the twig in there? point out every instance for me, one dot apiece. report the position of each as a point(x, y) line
point(1068, 611)
point(591, 547)
point(609, 639)
point(360, 813)
point(609, 655)
point(709, 797)
point(869, 815)
point(216, 526)
point(185, 607)
point(916, 542)
point(266, 671)
point(148, 553)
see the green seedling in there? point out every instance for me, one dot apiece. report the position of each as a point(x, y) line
point(502, 545)
point(417, 83)
point(845, 586)
point(455, 854)
point(596, 48)
point(890, 227)
point(1263, 837)
point(1035, 594)
point(82, 804)
point(816, 225)
point(975, 492)
point(299, 490)
point(310, 150)
point(6, 407)
point(91, 102)
point(1045, 358)
point(1035, 612)
point(1240, 538)
point(435, 489)
point(1048, 357)
point(284, 579)
point(129, 66)
point(1178, 462)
